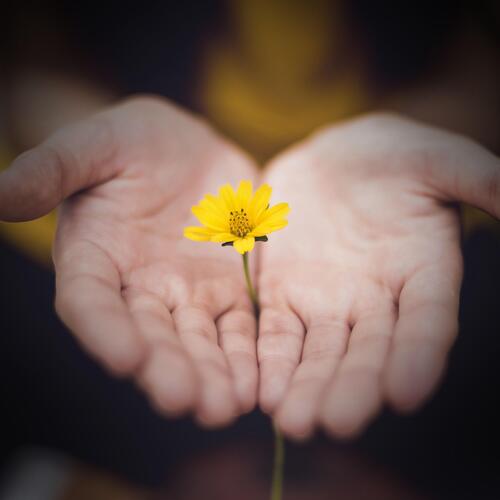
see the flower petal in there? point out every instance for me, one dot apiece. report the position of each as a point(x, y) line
point(243, 194)
point(266, 228)
point(244, 245)
point(196, 233)
point(260, 201)
point(227, 195)
point(214, 204)
point(274, 213)
point(223, 237)
point(210, 219)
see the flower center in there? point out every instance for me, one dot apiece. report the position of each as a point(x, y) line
point(238, 223)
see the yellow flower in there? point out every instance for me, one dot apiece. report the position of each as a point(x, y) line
point(237, 218)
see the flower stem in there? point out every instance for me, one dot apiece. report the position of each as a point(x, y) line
point(279, 465)
point(251, 289)
point(279, 444)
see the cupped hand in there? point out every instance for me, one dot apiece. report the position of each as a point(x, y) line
point(143, 300)
point(359, 296)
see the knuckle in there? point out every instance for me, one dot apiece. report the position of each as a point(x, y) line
point(241, 322)
point(277, 323)
point(101, 134)
point(43, 165)
point(78, 149)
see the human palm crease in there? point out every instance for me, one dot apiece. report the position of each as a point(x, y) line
point(359, 295)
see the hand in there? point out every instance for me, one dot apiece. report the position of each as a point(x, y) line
point(359, 296)
point(142, 299)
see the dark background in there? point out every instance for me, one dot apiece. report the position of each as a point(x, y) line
point(54, 396)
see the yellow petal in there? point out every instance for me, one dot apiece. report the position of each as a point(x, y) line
point(273, 219)
point(274, 213)
point(227, 195)
point(243, 194)
point(223, 237)
point(210, 219)
point(260, 201)
point(244, 245)
point(197, 233)
point(214, 204)
point(266, 228)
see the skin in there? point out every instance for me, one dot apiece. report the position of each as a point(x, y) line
point(172, 314)
point(359, 295)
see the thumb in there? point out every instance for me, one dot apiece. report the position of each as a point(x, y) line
point(75, 158)
point(470, 174)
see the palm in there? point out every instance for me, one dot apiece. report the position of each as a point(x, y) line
point(183, 306)
point(359, 296)
point(369, 269)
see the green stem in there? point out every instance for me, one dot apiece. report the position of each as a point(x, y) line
point(279, 465)
point(279, 443)
point(251, 289)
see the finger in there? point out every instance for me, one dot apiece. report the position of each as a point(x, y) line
point(92, 151)
point(425, 330)
point(217, 404)
point(238, 338)
point(279, 346)
point(74, 158)
point(469, 173)
point(89, 302)
point(168, 375)
point(324, 345)
point(354, 395)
